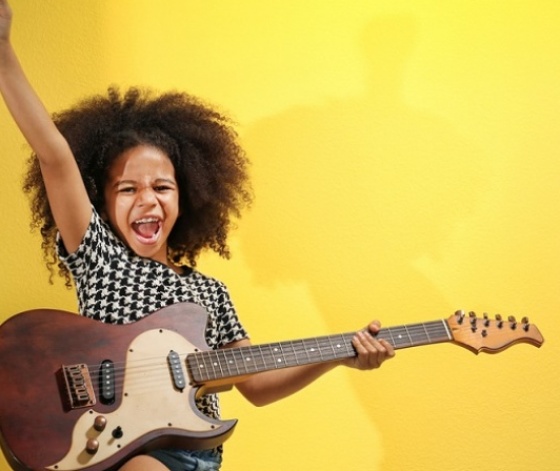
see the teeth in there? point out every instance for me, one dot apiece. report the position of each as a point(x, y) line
point(145, 220)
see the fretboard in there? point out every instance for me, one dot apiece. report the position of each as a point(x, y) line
point(213, 365)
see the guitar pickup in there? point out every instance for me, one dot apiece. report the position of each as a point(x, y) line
point(107, 382)
point(174, 362)
point(78, 386)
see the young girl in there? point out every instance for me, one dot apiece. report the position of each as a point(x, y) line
point(127, 190)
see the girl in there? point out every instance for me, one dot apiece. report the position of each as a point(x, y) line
point(127, 190)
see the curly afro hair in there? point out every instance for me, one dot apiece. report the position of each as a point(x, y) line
point(210, 166)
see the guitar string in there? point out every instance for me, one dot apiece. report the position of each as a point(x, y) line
point(299, 346)
point(413, 334)
point(150, 370)
point(146, 372)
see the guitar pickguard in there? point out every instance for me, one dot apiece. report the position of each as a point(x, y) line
point(150, 402)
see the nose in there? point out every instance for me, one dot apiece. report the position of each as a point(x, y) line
point(147, 197)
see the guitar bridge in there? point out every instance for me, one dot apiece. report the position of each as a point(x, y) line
point(78, 386)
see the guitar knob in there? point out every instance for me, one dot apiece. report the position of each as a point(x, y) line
point(100, 423)
point(92, 446)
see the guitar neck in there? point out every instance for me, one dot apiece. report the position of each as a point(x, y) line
point(217, 366)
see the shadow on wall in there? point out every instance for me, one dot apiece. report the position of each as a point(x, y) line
point(353, 192)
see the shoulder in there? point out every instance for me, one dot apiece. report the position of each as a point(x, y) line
point(202, 281)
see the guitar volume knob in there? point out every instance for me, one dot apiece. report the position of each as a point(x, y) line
point(92, 446)
point(100, 423)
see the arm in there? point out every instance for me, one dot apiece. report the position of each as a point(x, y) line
point(264, 388)
point(66, 192)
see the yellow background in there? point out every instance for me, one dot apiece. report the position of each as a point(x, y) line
point(406, 164)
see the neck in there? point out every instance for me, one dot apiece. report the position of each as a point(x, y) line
point(217, 366)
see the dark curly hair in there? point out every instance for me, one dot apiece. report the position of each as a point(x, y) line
point(210, 166)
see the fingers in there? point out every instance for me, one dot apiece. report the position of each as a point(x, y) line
point(4, 7)
point(371, 351)
point(5, 18)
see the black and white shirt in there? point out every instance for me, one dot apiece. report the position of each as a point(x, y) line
point(116, 286)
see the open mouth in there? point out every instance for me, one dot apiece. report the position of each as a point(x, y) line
point(147, 229)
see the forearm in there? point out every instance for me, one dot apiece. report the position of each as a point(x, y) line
point(68, 199)
point(265, 388)
point(27, 109)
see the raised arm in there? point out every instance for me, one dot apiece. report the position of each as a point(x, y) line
point(66, 192)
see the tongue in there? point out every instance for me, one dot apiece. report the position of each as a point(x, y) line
point(147, 229)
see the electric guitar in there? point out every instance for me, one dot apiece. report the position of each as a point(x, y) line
point(78, 394)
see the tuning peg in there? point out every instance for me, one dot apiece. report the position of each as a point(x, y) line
point(525, 322)
point(500, 321)
point(460, 316)
point(472, 315)
point(486, 320)
point(512, 322)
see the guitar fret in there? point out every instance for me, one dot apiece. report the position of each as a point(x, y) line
point(310, 349)
point(426, 332)
point(218, 363)
point(237, 360)
point(276, 355)
point(408, 335)
point(294, 353)
point(307, 351)
point(248, 360)
point(225, 360)
point(342, 347)
point(319, 351)
point(417, 334)
point(264, 363)
point(390, 332)
point(207, 364)
point(229, 360)
point(282, 358)
point(328, 348)
point(398, 340)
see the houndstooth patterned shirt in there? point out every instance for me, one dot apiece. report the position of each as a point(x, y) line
point(116, 286)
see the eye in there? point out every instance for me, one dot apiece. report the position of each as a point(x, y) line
point(163, 188)
point(127, 189)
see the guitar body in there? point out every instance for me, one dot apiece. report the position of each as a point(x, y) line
point(40, 427)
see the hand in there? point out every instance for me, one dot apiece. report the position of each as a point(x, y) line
point(5, 20)
point(371, 352)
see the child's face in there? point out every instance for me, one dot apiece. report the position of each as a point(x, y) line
point(142, 200)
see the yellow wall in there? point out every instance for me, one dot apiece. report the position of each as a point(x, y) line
point(406, 164)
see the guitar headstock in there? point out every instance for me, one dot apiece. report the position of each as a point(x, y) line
point(491, 335)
